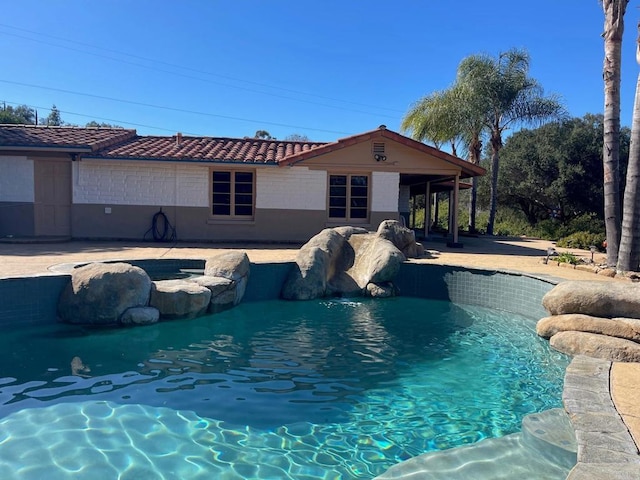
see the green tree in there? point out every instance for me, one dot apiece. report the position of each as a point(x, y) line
point(511, 97)
point(54, 118)
point(614, 11)
point(450, 116)
point(629, 253)
point(555, 171)
point(263, 134)
point(94, 124)
point(22, 114)
point(297, 137)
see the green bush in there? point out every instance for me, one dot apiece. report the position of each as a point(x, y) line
point(567, 257)
point(582, 240)
point(587, 222)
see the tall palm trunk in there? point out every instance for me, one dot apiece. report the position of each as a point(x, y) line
point(629, 257)
point(475, 149)
point(613, 28)
point(496, 144)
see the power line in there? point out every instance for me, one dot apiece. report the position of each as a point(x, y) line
point(172, 109)
point(93, 117)
point(377, 114)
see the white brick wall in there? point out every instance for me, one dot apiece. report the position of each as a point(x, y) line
point(16, 179)
point(147, 183)
point(193, 186)
point(141, 183)
point(384, 191)
point(291, 188)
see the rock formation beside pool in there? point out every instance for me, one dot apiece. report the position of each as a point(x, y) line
point(232, 266)
point(99, 293)
point(597, 319)
point(119, 293)
point(351, 261)
point(179, 298)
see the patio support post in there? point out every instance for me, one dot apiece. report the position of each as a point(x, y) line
point(436, 213)
point(450, 216)
point(413, 212)
point(456, 199)
point(427, 209)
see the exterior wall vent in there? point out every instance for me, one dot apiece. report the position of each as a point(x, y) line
point(378, 148)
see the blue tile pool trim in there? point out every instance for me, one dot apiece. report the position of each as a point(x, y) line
point(33, 300)
point(502, 290)
point(30, 300)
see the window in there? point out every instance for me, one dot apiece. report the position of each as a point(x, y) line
point(232, 194)
point(348, 197)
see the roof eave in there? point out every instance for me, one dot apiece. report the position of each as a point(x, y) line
point(467, 168)
point(46, 148)
point(178, 160)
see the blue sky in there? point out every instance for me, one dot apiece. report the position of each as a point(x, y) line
point(325, 69)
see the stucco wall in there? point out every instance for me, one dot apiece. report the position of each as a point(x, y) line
point(384, 191)
point(16, 179)
point(287, 188)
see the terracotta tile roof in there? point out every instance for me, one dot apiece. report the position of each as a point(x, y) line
point(107, 143)
point(206, 149)
point(38, 136)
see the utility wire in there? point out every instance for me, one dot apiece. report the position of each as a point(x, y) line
point(172, 109)
point(377, 114)
point(118, 122)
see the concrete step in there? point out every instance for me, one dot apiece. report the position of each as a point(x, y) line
point(540, 453)
point(551, 435)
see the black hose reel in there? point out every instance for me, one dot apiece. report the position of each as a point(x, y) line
point(161, 229)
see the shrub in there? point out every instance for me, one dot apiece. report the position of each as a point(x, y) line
point(567, 257)
point(582, 240)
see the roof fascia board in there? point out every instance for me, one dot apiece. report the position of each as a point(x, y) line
point(10, 148)
point(467, 168)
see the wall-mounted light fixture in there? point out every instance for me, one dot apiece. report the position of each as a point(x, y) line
point(380, 158)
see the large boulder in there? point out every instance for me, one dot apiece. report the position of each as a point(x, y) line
point(599, 299)
point(627, 328)
point(323, 257)
point(234, 266)
point(99, 293)
point(597, 346)
point(308, 277)
point(402, 237)
point(344, 261)
point(140, 316)
point(377, 260)
point(179, 298)
point(223, 292)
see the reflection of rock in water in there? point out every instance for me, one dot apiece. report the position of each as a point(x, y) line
point(78, 368)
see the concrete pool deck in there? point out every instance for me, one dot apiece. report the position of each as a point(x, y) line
point(25, 258)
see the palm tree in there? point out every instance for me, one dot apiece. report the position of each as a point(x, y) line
point(629, 254)
point(450, 116)
point(434, 119)
point(509, 97)
point(613, 28)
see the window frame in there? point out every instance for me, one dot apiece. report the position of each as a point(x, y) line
point(232, 216)
point(348, 207)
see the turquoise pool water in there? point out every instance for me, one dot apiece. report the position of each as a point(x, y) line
point(302, 390)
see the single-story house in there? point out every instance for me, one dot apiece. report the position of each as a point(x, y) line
point(102, 183)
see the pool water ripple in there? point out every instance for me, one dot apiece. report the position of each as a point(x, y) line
point(301, 390)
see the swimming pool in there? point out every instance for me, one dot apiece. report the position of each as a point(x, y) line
point(322, 389)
